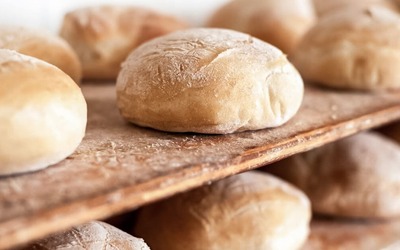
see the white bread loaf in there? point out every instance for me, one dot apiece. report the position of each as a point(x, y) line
point(42, 114)
point(208, 81)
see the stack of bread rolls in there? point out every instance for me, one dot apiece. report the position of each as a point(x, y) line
point(230, 77)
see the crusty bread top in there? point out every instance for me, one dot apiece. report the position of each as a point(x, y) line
point(326, 7)
point(42, 45)
point(209, 81)
point(375, 25)
point(281, 23)
point(357, 48)
point(103, 36)
point(90, 236)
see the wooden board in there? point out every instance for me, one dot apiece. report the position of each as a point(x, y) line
point(119, 166)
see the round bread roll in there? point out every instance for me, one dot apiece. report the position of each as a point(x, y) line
point(90, 236)
point(42, 45)
point(247, 211)
point(354, 49)
point(42, 113)
point(327, 234)
point(208, 81)
point(103, 36)
point(355, 177)
point(281, 23)
point(325, 7)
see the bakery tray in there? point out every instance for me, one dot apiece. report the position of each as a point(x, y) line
point(119, 166)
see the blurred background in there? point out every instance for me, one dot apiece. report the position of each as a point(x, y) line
point(48, 14)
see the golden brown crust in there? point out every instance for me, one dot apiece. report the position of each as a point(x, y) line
point(247, 211)
point(355, 177)
point(281, 23)
point(103, 36)
point(42, 113)
point(42, 45)
point(354, 49)
point(208, 81)
point(91, 235)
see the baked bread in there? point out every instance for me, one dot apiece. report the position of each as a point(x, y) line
point(355, 177)
point(248, 211)
point(353, 49)
point(103, 36)
point(328, 234)
point(281, 23)
point(325, 7)
point(42, 45)
point(208, 81)
point(90, 236)
point(42, 113)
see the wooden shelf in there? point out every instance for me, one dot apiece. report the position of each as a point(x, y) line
point(119, 166)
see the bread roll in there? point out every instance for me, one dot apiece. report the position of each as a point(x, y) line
point(103, 36)
point(355, 177)
point(329, 234)
point(281, 23)
point(247, 211)
point(90, 236)
point(208, 81)
point(42, 114)
point(326, 7)
point(42, 45)
point(353, 49)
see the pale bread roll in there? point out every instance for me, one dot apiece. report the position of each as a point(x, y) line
point(326, 7)
point(353, 49)
point(42, 45)
point(93, 235)
point(248, 211)
point(208, 81)
point(329, 234)
point(281, 23)
point(42, 114)
point(355, 177)
point(103, 36)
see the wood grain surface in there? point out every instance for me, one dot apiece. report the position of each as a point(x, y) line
point(119, 166)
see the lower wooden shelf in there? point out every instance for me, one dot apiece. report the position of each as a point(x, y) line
point(119, 166)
